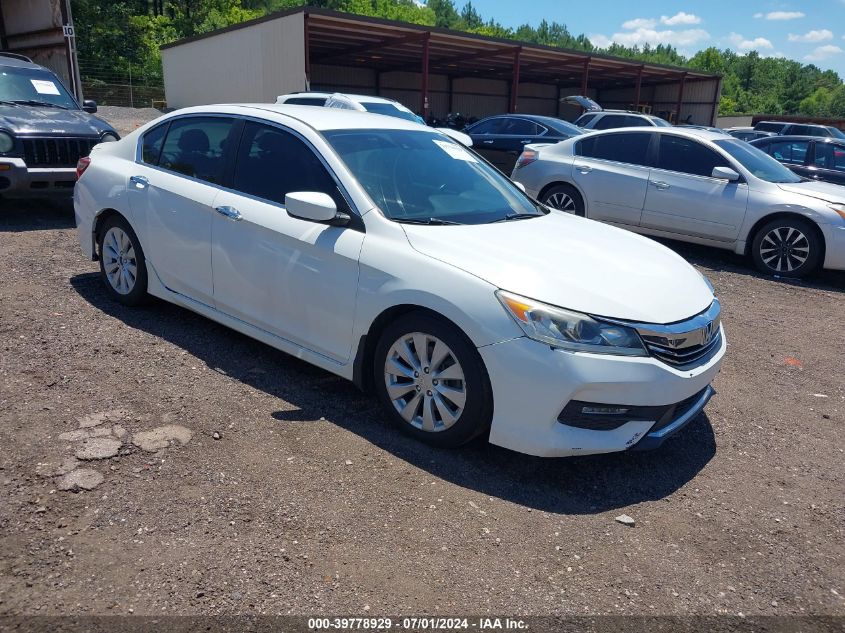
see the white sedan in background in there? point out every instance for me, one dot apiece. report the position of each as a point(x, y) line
point(390, 255)
point(696, 186)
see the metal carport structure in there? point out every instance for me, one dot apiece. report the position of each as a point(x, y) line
point(431, 70)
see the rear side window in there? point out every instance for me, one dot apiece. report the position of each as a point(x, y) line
point(312, 101)
point(687, 156)
point(584, 119)
point(629, 148)
point(790, 152)
point(271, 163)
point(808, 130)
point(609, 121)
point(830, 156)
point(197, 147)
point(151, 144)
point(636, 121)
point(769, 127)
point(520, 127)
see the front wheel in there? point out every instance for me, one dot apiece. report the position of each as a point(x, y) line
point(788, 247)
point(122, 264)
point(432, 382)
point(564, 198)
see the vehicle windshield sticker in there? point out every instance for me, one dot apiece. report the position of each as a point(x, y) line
point(45, 87)
point(455, 151)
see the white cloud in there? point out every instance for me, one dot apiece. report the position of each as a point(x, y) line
point(823, 52)
point(639, 23)
point(680, 18)
point(780, 15)
point(643, 35)
point(743, 44)
point(820, 35)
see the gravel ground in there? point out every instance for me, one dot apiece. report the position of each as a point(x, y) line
point(126, 120)
point(309, 503)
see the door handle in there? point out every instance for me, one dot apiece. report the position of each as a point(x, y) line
point(660, 184)
point(525, 142)
point(487, 142)
point(140, 182)
point(230, 212)
point(584, 169)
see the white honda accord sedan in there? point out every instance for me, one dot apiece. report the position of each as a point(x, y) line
point(696, 186)
point(386, 253)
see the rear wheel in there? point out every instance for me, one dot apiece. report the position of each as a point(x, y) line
point(122, 264)
point(431, 381)
point(565, 198)
point(788, 247)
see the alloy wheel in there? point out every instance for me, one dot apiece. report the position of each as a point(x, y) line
point(425, 382)
point(561, 201)
point(119, 262)
point(784, 249)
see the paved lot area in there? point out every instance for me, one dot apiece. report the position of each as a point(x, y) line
point(310, 503)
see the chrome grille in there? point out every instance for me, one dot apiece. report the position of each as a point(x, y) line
point(686, 356)
point(57, 151)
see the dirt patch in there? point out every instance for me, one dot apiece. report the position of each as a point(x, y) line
point(311, 503)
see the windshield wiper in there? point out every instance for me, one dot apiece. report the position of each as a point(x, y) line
point(35, 102)
point(518, 216)
point(428, 221)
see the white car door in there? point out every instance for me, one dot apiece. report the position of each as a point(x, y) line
point(172, 189)
point(612, 171)
point(683, 198)
point(291, 277)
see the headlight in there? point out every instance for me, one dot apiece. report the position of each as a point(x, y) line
point(570, 330)
point(108, 137)
point(839, 209)
point(6, 142)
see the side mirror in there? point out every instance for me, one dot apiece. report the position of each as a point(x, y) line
point(90, 106)
point(519, 186)
point(725, 173)
point(461, 137)
point(314, 206)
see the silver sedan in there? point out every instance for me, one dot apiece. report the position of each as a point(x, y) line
point(696, 186)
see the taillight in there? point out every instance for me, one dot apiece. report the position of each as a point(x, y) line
point(527, 157)
point(81, 166)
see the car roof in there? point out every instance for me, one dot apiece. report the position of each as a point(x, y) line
point(706, 135)
point(801, 137)
point(18, 63)
point(318, 118)
point(358, 98)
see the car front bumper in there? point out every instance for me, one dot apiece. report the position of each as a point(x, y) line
point(19, 181)
point(532, 384)
point(834, 237)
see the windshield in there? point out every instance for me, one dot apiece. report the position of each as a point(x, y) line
point(757, 162)
point(390, 110)
point(836, 132)
point(425, 177)
point(565, 127)
point(33, 86)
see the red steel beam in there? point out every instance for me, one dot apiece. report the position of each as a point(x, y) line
point(639, 86)
point(585, 77)
point(680, 98)
point(424, 83)
point(515, 80)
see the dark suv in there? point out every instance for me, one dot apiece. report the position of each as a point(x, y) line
point(784, 128)
point(43, 131)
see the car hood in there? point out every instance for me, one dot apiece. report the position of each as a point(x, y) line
point(572, 263)
point(822, 190)
point(43, 120)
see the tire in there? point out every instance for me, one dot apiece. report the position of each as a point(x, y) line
point(449, 404)
point(123, 267)
point(564, 198)
point(788, 247)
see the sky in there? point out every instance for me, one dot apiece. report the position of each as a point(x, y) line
point(810, 31)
